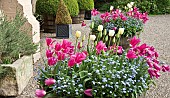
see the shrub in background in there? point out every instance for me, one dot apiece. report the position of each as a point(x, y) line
point(51, 6)
point(86, 4)
point(14, 39)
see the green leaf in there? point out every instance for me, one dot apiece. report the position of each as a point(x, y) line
point(83, 74)
point(44, 73)
point(84, 82)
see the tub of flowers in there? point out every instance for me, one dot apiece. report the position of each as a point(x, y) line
point(97, 71)
point(131, 21)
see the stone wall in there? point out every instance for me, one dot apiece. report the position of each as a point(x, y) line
point(9, 8)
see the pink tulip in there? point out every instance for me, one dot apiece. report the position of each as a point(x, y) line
point(40, 93)
point(156, 54)
point(52, 61)
point(156, 66)
point(94, 12)
point(50, 81)
point(134, 41)
point(71, 61)
point(57, 47)
point(83, 24)
point(80, 57)
point(78, 46)
point(60, 55)
point(118, 48)
point(131, 54)
point(100, 47)
point(88, 92)
point(67, 47)
point(49, 41)
point(149, 62)
point(49, 53)
point(166, 68)
point(151, 72)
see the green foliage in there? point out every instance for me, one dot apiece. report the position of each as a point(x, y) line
point(150, 6)
point(72, 6)
point(86, 4)
point(62, 15)
point(46, 7)
point(14, 39)
point(51, 6)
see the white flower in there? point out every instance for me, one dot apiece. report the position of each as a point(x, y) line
point(100, 28)
point(78, 34)
point(92, 37)
point(125, 7)
point(129, 5)
point(111, 8)
point(132, 3)
point(121, 31)
point(111, 32)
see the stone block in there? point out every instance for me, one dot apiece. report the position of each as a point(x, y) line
point(18, 76)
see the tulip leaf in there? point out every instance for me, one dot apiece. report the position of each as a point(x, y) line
point(83, 74)
point(84, 82)
point(44, 73)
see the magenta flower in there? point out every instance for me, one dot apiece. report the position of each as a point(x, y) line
point(94, 12)
point(118, 48)
point(100, 47)
point(156, 66)
point(60, 55)
point(50, 81)
point(49, 41)
point(67, 47)
point(80, 57)
point(153, 73)
point(88, 92)
point(52, 61)
point(149, 62)
point(71, 61)
point(83, 24)
point(78, 46)
point(49, 53)
point(57, 47)
point(134, 41)
point(166, 68)
point(40, 93)
point(131, 54)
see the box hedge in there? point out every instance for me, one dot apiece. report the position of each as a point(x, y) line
point(86, 4)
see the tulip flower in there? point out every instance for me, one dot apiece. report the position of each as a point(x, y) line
point(71, 61)
point(50, 81)
point(121, 31)
point(94, 12)
point(52, 61)
point(132, 3)
point(129, 5)
point(40, 93)
point(111, 32)
point(57, 47)
point(49, 53)
point(165, 68)
point(100, 28)
point(80, 57)
point(60, 55)
point(80, 45)
point(156, 66)
point(134, 41)
point(100, 46)
point(131, 54)
point(111, 8)
point(88, 92)
point(49, 41)
point(92, 37)
point(78, 34)
point(83, 24)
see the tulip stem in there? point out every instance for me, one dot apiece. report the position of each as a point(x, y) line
point(76, 45)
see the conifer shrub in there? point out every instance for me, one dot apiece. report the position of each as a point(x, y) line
point(63, 15)
point(14, 39)
point(72, 6)
point(86, 4)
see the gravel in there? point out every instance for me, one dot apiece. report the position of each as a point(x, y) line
point(156, 33)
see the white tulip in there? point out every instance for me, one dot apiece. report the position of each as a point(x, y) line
point(100, 28)
point(111, 8)
point(92, 37)
point(78, 34)
point(121, 31)
point(132, 3)
point(111, 32)
point(129, 5)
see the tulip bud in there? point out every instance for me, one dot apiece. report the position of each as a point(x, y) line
point(114, 40)
point(101, 34)
point(111, 32)
point(78, 34)
point(95, 43)
point(83, 38)
point(105, 31)
point(40, 93)
point(106, 38)
point(111, 8)
point(129, 5)
point(121, 31)
point(132, 3)
point(50, 81)
point(100, 28)
point(81, 44)
point(117, 35)
point(125, 7)
point(92, 24)
point(92, 37)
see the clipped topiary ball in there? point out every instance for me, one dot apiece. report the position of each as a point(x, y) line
point(86, 4)
point(63, 15)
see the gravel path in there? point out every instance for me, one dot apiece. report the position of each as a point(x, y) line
point(156, 33)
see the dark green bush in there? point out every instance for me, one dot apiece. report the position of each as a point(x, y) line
point(14, 39)
point(86, 4)
point(150, 6)
point(50, 7)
